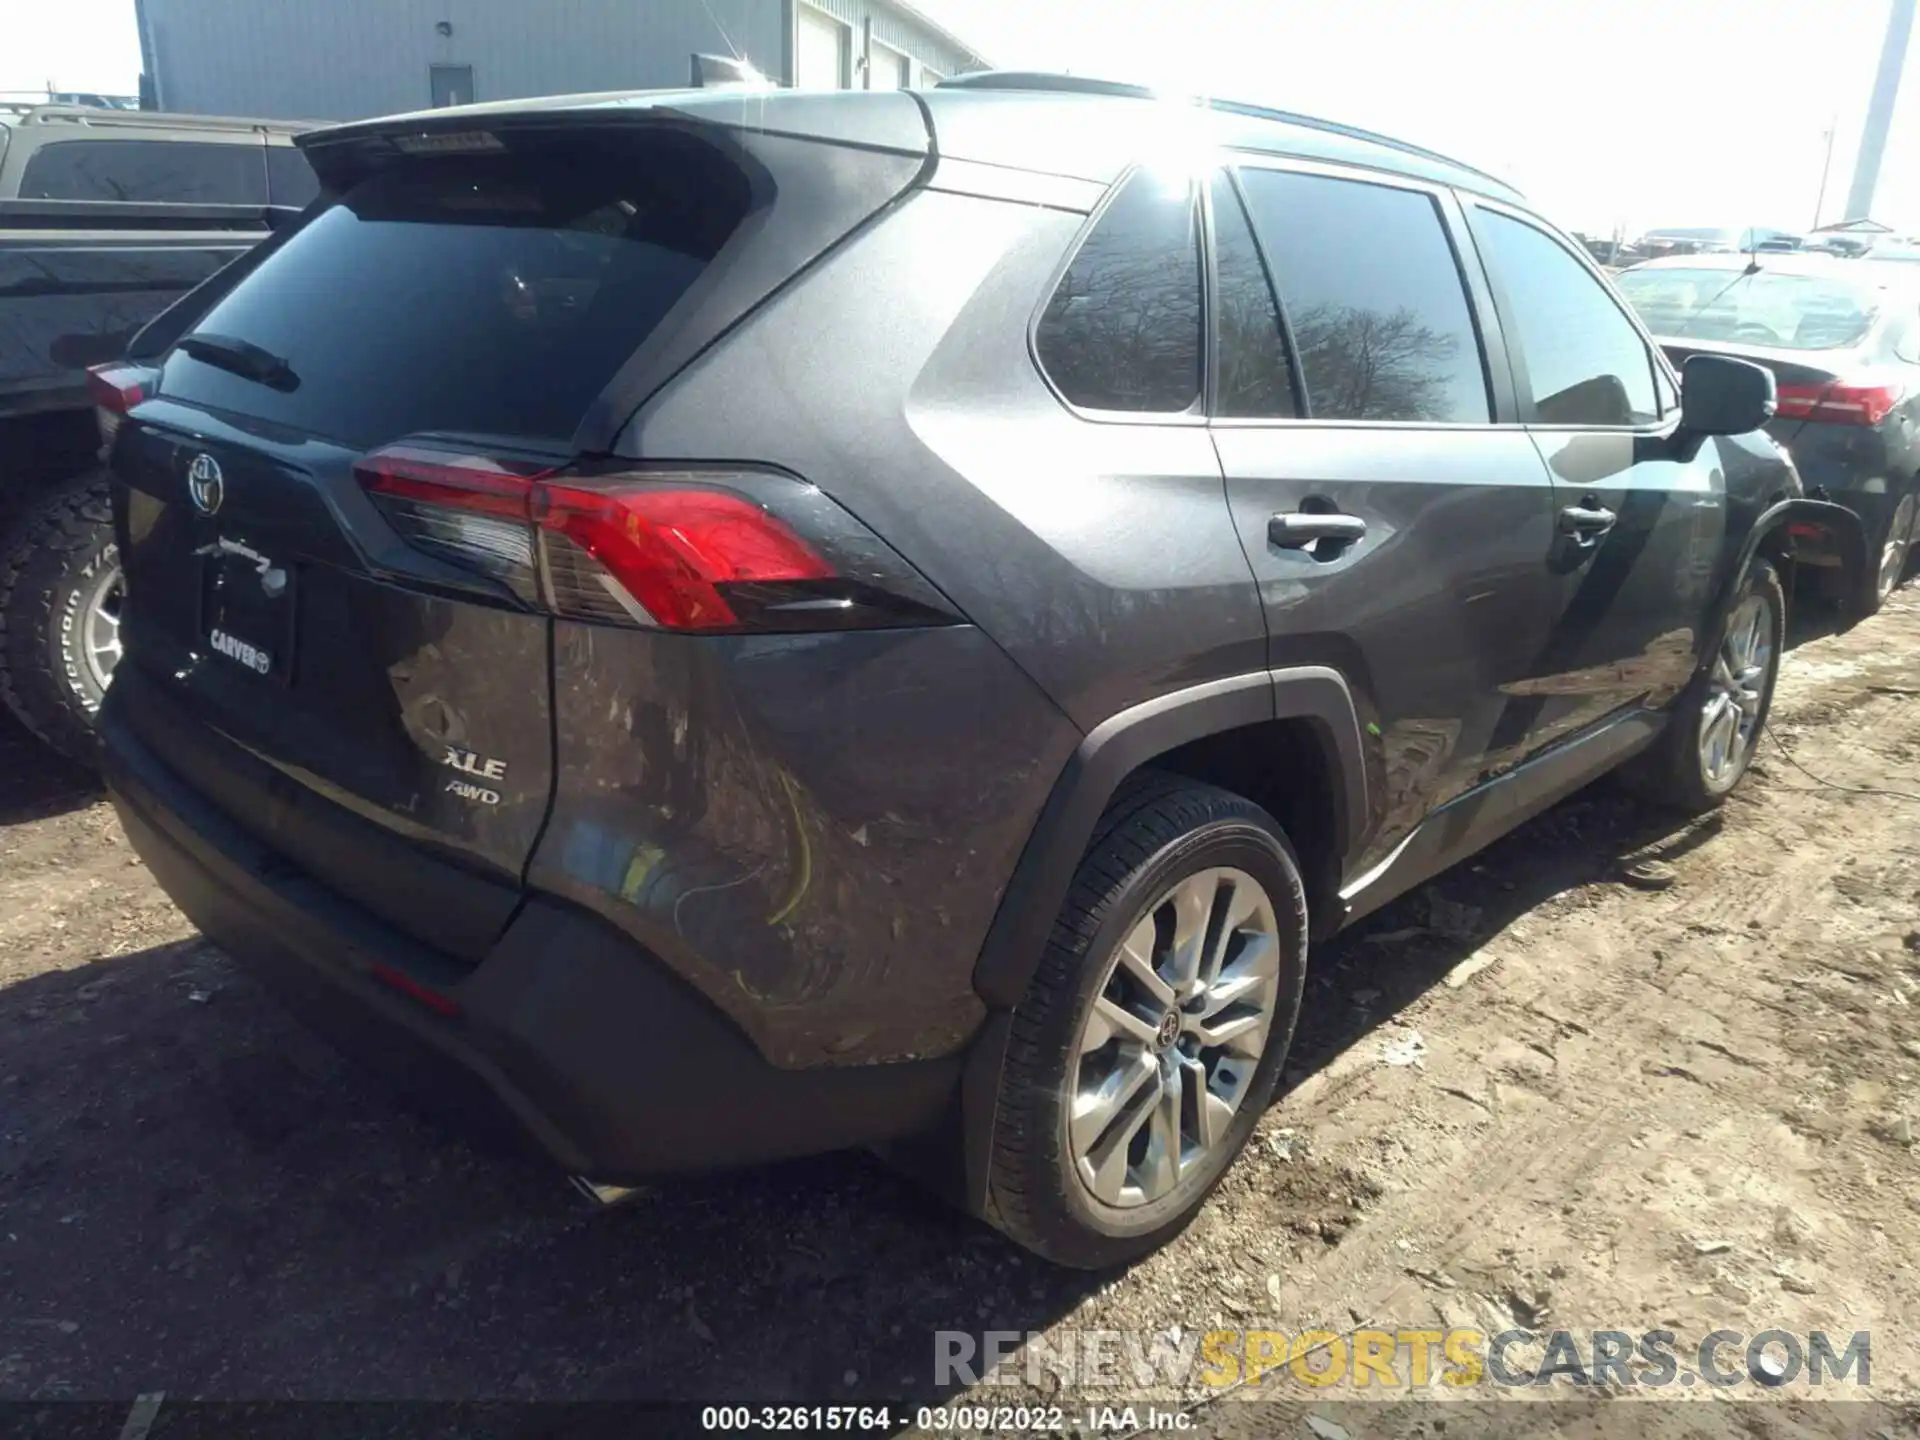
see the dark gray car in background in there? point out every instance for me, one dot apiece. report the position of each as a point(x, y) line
point(1842, 338)
point(741, 625)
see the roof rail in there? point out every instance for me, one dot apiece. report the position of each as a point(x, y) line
point(33, 99)
point(1087, 85)
point(95, 117)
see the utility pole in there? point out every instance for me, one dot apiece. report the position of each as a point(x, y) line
point(1826, 169)
point(1886, 90)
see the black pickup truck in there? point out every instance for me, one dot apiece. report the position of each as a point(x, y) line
point(106, 218)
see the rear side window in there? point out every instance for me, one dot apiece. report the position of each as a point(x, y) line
point(495, 295)
point(1374, 298)
point(183, 172)
point(1253, 379)
point(1586, 364)
point(290, 179)
point(1122, 330)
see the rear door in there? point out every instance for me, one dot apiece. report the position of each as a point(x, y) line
point(1398, 523)
point(1641, 523)
point(383, 658)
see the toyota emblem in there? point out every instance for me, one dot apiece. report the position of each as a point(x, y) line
point(206, 487)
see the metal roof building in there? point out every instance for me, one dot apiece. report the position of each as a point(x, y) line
point(348, 59)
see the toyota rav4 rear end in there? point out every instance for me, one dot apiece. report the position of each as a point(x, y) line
point(522, 751)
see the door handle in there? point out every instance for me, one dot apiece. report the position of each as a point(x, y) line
point(1587, 521)
point(1298, 529)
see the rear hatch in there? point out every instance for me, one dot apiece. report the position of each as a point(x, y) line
point(476, 304)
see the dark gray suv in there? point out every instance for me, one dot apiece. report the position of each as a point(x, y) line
point(741, 625)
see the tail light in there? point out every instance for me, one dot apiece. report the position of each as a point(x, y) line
point(115, 389)
point(1841, 403)
point(405, 984)
point(674, 549)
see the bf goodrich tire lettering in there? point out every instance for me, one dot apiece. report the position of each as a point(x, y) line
point(60, 591)
point(1114, 1124)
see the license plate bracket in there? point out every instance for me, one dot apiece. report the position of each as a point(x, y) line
point(247, 609)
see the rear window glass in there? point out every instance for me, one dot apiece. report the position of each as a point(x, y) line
point(181, 172)
point(1776, 309)
point(490, 295)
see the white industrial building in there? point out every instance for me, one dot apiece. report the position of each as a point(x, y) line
point(347, 59)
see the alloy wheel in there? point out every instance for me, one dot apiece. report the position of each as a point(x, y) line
point(1169, 1048)
point(1893, 555)
point(1736, 690)
point(100, 625)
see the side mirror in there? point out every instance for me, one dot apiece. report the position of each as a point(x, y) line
point(1723, 396)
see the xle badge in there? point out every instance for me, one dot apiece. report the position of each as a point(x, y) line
point(477, 765)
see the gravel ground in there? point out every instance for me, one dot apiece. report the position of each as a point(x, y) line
point(1665, 1078)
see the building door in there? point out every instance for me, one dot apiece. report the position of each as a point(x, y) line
point(823, 52)
point(451, 84)
point(886, 68)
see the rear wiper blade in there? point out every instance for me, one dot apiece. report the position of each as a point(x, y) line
point(241, 358)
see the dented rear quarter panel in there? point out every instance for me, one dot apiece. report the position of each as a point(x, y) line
point(812, 830)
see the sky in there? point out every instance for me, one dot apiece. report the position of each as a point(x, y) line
point(1637, 113)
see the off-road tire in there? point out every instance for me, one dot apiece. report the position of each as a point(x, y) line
point(1159, 829)
point(52, 562)
point(1670, 773)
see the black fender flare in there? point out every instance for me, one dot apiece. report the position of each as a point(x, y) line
point(1848, 534)
point(1109, 753)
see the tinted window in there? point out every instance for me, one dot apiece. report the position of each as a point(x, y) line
point(1251, 354)
point(181, 172)
point(1373, 296)
point(1585, 362)
point(290, 180)
point(1775, 308)
point(1122, 331)
point(494, 294)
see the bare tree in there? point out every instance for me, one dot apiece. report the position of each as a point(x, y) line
point(1375, 365)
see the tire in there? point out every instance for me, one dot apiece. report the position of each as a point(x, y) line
point(1888, 553)
point(1156, 835)
point(59, 589)
point(1677, 771)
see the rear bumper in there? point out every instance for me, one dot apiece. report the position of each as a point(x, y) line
point(1853, 466)
point(567, 1029)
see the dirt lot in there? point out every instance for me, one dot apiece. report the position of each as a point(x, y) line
point(1665, 1078)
